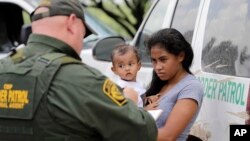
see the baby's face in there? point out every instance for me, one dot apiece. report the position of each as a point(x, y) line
point(126, 66)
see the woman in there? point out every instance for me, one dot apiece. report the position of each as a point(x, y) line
point(173, 88)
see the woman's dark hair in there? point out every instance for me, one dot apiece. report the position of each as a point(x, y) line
point(173, 42)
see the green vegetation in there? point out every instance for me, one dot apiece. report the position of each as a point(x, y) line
point(111, 22)
point(26, 17)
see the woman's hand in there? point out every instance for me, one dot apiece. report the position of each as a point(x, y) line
point(153, 98)
point(152, 106)
point(152, 102)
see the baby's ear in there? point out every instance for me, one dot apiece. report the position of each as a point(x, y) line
point(139, 65)
point(113, 69)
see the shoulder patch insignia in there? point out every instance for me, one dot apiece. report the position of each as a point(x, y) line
point(112, 91)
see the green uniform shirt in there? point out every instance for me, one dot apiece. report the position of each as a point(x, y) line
point(83, 100)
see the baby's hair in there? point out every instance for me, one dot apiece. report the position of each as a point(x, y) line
point(123, 49)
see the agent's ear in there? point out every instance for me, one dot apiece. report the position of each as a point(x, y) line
point(71, 26)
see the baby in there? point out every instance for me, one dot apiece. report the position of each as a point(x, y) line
point(126, 63)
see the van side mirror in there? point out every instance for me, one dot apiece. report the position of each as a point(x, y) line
point(103, 48)
point(24, 34)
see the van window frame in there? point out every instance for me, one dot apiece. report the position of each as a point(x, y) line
point(139, 40)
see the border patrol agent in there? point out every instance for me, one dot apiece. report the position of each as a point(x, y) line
point(47, 94)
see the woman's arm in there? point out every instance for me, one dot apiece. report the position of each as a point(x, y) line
point(178, 120)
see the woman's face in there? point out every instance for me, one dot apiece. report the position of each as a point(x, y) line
point(165, 64)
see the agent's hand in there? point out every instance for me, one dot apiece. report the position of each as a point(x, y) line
point(130, 93)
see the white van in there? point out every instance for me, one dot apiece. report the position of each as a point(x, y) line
point(219, 32)
point(15, 25)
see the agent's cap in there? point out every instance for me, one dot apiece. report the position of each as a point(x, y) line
point(62, 7)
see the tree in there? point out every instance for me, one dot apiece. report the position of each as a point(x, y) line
point(126, 13)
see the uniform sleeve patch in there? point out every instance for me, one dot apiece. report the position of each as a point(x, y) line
point(112, 91)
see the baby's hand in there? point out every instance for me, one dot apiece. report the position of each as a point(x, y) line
point(131, 94)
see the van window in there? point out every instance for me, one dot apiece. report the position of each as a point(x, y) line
point(12, 18)
point(153, 23)
point(226, 46)
point(185, 17)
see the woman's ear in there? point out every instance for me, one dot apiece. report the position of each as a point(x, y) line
point(181, 56)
